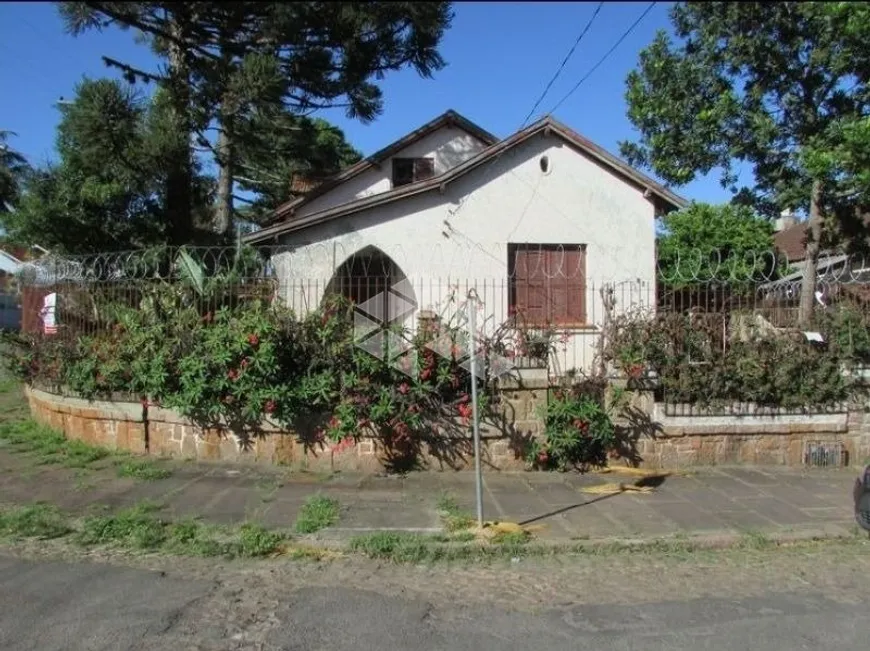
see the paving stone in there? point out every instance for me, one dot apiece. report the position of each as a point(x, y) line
point(752, 477)
point(730, 487)
point(780, 512)
point(796, 495)
point(638, 518)
point(746, 520)
point(689, 517)
point(830, 514)
point(384, 517)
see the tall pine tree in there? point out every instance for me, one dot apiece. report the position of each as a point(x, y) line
point(244, 60)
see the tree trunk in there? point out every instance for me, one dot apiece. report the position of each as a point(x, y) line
point(179, 176)
point(224, 211)
point(814, 233)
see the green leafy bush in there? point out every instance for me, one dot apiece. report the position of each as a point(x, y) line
point(712, 359)
point(578, 430)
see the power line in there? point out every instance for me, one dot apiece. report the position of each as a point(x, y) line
point(564, 62)
point(604, 58)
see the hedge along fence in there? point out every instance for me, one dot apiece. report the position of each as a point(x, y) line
point(718, 361)
point(212, 345)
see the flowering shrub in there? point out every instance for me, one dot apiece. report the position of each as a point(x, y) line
point(238, 365)
point(578, 430)
point(704, 359)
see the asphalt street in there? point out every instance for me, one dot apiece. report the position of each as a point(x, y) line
point(80, 605)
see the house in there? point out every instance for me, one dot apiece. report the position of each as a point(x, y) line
point(538, 223)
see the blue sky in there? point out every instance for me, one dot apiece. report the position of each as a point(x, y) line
point(500, 57)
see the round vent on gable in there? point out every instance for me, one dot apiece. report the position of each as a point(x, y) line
point(545, 164)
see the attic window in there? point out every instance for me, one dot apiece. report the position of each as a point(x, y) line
point(545, 164)
point(411, 170)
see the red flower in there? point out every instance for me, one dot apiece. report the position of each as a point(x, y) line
point(253, 339)
point(270, 406)
point(465, 412)
point(404, 388)
point(233, 374)
point(425, 374)
point(543, 457)
point(245, 363)
point(582, 425)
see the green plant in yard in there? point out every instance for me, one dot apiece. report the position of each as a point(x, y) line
point(318, 512)
point(39, 520)
point(578, 430)
point(703, 360)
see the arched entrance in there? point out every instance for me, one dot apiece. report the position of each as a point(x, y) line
point(371, 278)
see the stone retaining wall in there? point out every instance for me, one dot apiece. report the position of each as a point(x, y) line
point(162, 432)
point(664, 441)
point(650, 438)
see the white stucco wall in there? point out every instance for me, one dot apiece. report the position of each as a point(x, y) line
point(509, 200)
point(449, 146)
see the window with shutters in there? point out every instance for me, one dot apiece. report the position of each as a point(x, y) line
point(410, 170)
point(548, 283)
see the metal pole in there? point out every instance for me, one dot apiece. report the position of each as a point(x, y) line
point(472, 322)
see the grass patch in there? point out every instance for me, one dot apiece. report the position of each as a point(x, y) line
point(51, 447)
point(754, 540)
point(136, 527)
point(452, 515)
point(318, 512)
point(511, 538)
point(255, 541)
point(396, 546)
point(140, 528)
point(41, 521)
point(142, 469)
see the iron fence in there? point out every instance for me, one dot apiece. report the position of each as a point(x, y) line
point(71, 297)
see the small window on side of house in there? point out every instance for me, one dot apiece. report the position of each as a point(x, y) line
point(411, 170)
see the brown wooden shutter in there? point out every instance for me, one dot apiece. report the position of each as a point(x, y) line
point(548, 283)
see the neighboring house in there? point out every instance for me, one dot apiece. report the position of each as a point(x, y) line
point(537, 223)
point(838, 275)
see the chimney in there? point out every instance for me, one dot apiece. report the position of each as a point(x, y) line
point(785, 220)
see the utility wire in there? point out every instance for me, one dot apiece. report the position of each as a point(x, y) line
point(604, 58)
point(564, 63)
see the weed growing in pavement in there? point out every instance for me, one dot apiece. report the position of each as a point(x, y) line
point(255, 541)
point(318, 512)
point(452, 515)
point(142, 469)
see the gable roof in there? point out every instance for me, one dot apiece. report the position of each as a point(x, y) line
point(545, 126)
point(446, 119)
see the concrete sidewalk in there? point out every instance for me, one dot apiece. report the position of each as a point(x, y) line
point(714, 501)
